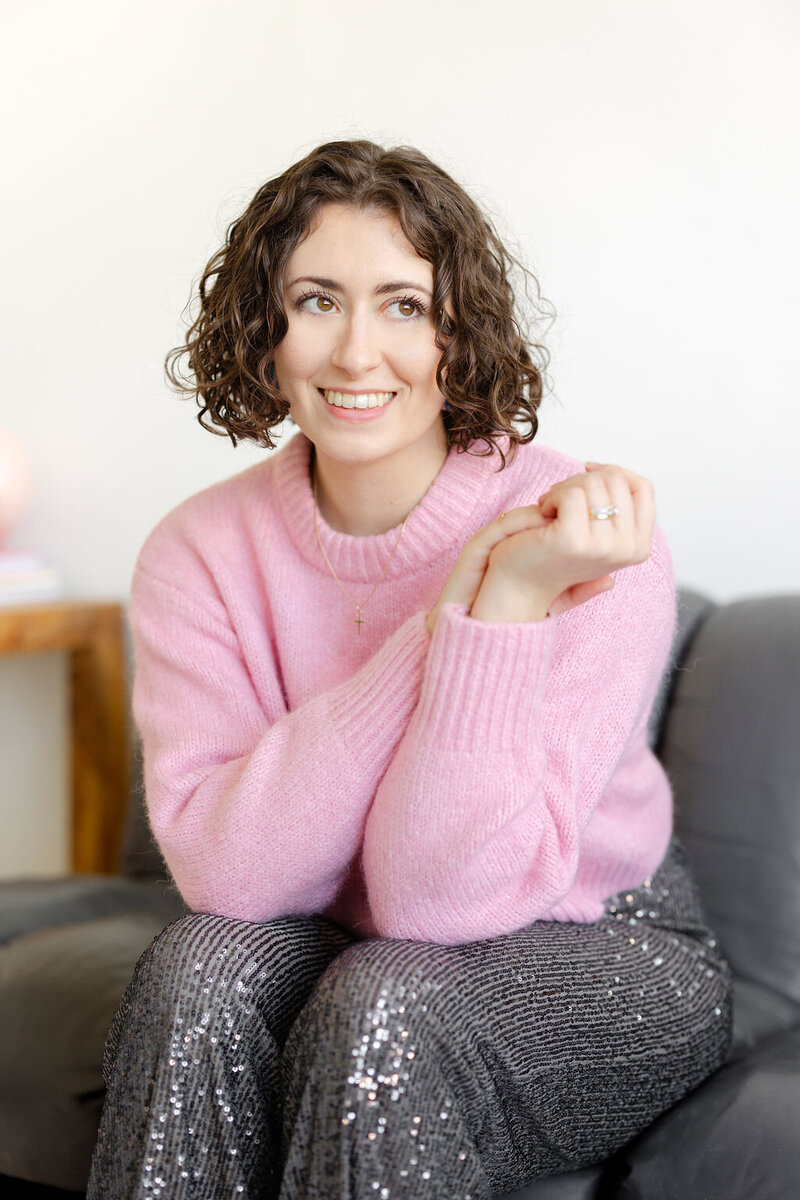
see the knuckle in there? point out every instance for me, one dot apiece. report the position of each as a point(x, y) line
point(624, 480)
point(473, 550)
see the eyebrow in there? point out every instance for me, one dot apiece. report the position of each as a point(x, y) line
point(395, 285)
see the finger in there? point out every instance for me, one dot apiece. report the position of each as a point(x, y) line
point(598, 498)
point(640, 489)
point(634, 481)
point(527, 516)
point(619, 497)
point(644, 510)
point(642, 501)
point(579, 593)
point(467, 574)
point(593, 466)
point(572, 511)
point(593, 489)
point(592, 484)
point(549, 501)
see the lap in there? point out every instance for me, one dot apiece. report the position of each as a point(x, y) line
point(643, 985)
point(655, 936)
point(564, 1037)
point(554, 1045)
point(643, 980)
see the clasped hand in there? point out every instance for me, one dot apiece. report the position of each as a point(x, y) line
point(551, 556)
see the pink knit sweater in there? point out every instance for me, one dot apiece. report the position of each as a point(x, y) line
point(444, 788)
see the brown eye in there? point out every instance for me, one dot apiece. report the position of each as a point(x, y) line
point(319, 298)
point(408, 308)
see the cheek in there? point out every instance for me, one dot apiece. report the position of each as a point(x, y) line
point(298, 353)
point(419, 361)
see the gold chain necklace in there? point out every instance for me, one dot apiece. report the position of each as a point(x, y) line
point(359, 620)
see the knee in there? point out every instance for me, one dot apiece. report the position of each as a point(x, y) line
point(192, 986)
point(375, 1028)
point(378, 998)
point(195, 969)
point(191, 951)
point(204, 965)
point(384, 973)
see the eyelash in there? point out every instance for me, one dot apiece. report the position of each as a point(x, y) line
point(421, 308)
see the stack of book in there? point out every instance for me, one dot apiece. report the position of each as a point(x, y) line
point(25, 578)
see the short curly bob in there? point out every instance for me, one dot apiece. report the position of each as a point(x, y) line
point(490, 374)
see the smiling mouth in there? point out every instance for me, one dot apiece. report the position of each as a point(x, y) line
point(362, 400)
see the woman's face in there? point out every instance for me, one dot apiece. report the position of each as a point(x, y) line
point(358, 301)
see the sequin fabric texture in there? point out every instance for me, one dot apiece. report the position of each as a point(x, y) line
point(290, 1060)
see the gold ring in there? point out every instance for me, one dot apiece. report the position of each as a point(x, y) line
point(501, 516)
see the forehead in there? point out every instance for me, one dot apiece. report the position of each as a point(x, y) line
point(349, 242)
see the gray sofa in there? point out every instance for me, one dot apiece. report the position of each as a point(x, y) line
point(727, 728)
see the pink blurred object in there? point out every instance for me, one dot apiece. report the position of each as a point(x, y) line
point(16, 484)
point(25, 577)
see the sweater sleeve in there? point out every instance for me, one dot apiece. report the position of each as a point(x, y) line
point(258, 810)
point(476, 828)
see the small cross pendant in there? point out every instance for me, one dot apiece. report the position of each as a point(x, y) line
point(359, 621)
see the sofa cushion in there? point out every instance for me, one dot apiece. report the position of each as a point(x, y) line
point(733, 1138)
point(731, 748)
point(758, 1012)
point(693, 608)
point(30, 904)
point(575, 1185)
point(60, 985)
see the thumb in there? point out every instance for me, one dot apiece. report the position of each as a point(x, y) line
point(579, 593)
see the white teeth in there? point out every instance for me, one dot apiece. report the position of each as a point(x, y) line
point(365, 400)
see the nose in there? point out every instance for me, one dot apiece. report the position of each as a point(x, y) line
point(357, 348)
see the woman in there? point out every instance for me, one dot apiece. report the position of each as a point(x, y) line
point(393, 686)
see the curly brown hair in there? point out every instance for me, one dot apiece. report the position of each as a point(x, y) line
point(490, 373)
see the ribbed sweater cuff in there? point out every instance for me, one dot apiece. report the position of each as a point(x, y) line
point(486, 676)
point(372, 709)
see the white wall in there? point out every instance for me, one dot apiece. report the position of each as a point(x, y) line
point(642, 157)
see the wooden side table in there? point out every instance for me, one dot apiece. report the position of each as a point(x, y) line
point(92, 634)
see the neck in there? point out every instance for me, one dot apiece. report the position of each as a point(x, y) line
point(365, 500)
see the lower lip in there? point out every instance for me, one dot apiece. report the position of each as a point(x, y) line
point(356, 414)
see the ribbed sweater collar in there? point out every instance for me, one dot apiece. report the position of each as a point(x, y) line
point(465, 484)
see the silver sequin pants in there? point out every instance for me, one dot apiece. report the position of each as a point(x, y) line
point(287, 1059)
